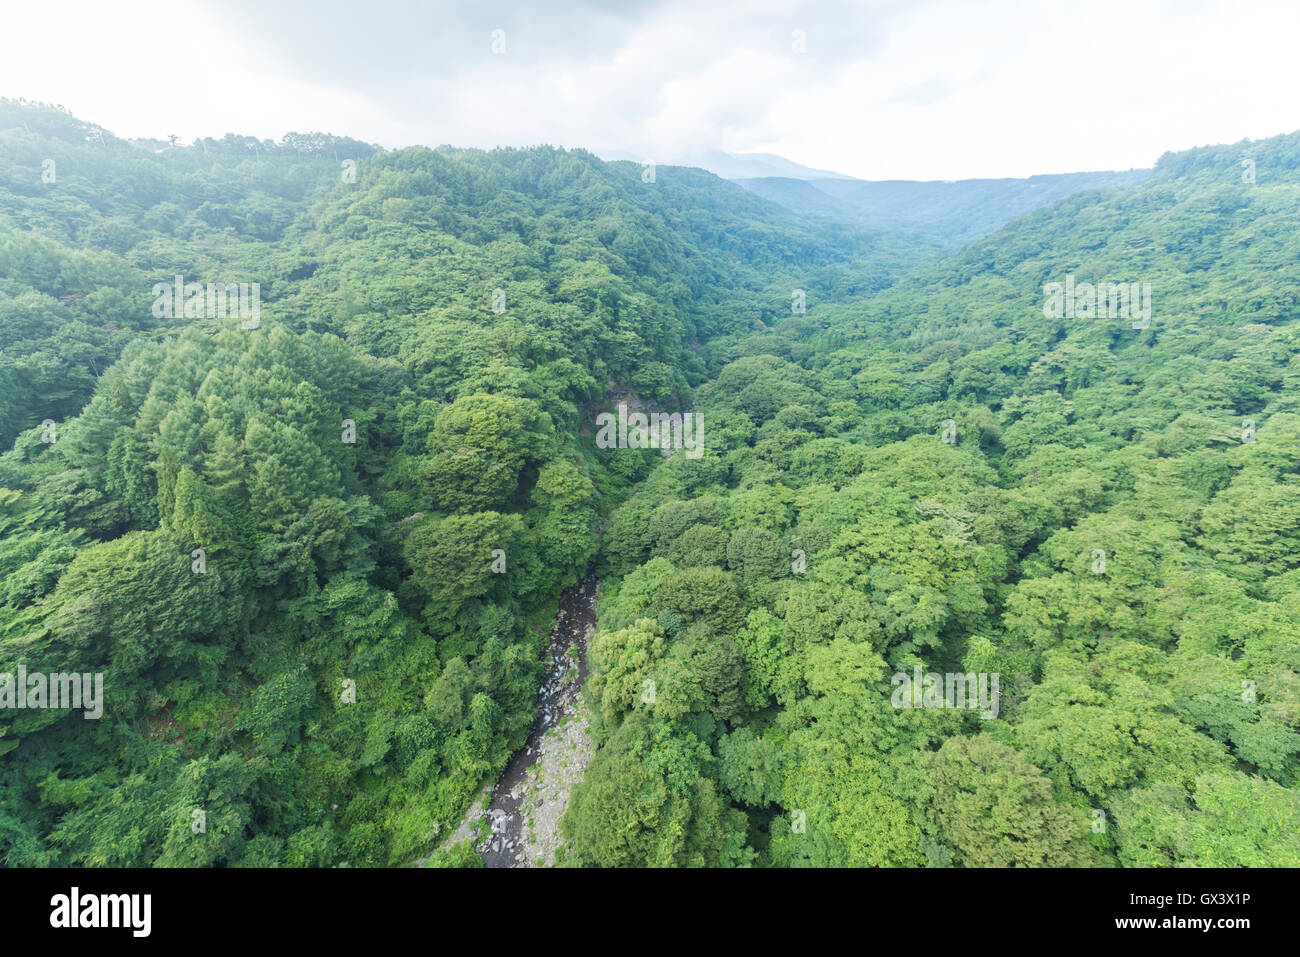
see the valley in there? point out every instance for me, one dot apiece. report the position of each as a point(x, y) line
point(316, 555)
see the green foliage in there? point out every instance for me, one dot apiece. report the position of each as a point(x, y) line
point(310, 558)
point(940, 475)
point(998, 810)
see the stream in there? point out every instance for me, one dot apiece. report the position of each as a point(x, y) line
point(529, 799)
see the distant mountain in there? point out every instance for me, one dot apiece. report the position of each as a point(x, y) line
point(953, 212)
point(738, 166)
point(733, 166)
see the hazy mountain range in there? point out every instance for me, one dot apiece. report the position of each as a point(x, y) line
point(950, 211)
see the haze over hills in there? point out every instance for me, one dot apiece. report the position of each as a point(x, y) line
point(953, 212)
point(949, 212)
point(735, 165)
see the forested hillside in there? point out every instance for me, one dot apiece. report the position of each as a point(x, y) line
point(1106, 518)
point(950, 213)
point(277, 538)
point(314, 551)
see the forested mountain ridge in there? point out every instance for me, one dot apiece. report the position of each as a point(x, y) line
point(313, 554)
point(587, 252)
point(1098, 508)
point(949, 212)
point(90, 222)
point(222, 210)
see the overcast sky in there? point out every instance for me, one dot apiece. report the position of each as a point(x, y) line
point(925, 89)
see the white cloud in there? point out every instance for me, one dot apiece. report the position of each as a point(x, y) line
point(885, 90)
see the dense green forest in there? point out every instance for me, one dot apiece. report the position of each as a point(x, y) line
point(315, 555)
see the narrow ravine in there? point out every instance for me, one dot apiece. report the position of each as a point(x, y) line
point(526, 804)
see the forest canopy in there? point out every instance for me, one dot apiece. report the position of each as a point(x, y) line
point(315, 556)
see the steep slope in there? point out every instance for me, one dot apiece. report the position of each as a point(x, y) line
point(311, 550)
point(1091, 530)
point(88, 222)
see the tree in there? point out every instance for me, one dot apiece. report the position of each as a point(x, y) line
point(1228, 820)
point(481, 445)
point(622, 662)
point(997, 810)
point(644, 803)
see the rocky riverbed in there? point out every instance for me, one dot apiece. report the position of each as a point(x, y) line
point(525, 806)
